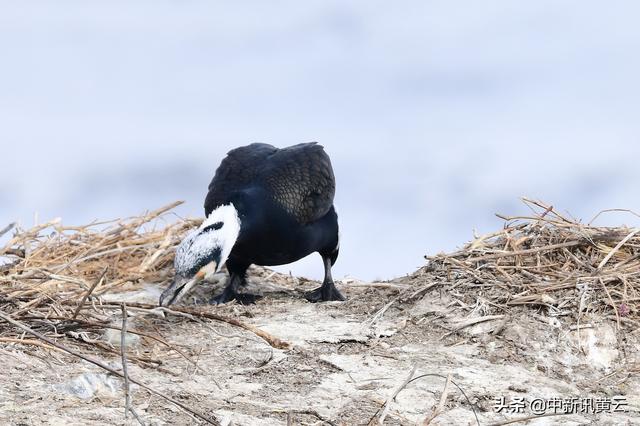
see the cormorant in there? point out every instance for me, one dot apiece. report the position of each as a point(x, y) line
point(265, 206)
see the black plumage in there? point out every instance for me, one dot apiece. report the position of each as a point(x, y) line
point(298, 178)
point(284, 199)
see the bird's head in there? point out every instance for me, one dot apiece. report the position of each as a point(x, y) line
point(203, 251)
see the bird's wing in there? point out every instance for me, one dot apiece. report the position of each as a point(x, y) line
point(236, 172)
point(300, 179)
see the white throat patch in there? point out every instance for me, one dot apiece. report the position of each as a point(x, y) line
point(227, 235)
point(224, 228)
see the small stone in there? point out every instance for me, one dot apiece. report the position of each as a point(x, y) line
point(90, 385)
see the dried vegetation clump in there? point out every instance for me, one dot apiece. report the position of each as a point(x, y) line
point(54, 280)
point(546, 260)
point(51, 265)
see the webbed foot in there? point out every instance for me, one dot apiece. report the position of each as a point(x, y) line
point(325, 293)
point(242, 298)
point(230, 292)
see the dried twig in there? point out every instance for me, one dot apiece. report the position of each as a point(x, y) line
point(30, 342)
point(524, 252)
point(473, 321)
point(107, 368)
point(464, 394)
point(392, 397)
point(79, 322)
point(616, 248)
point(538, 260)
point(610, 211)
point(125, 373)
point(7, 228)
point(88, 293)
point(267, 337)
point(440, 407)
point(381, 312)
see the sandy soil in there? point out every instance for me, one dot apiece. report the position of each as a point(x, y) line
point(344, 364)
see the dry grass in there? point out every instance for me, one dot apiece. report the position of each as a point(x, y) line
point(52, 278)
point(54, 262)
point(546, 260)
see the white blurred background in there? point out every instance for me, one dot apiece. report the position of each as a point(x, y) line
point(437, 114)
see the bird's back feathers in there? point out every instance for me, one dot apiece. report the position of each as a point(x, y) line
point(298, 178)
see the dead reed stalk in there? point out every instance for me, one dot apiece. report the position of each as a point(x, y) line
point(549, 261)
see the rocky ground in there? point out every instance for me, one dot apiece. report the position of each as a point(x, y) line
point(345, 362)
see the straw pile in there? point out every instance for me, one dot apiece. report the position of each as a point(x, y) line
point(548, 261)
point(54, 280)
point(51, 264)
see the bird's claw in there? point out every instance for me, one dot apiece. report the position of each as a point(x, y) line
point(325, 293)
point(241, 298)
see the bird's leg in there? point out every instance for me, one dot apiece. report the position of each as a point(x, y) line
point(327, 291)
point(230, 292)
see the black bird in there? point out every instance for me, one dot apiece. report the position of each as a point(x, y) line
point(265, 206)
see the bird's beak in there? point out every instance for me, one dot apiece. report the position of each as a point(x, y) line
point(176, 290)
point(181, 286)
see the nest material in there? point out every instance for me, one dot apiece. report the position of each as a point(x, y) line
point(58, 272)
point(52, 277)
point(52, 262)
point(547, 260)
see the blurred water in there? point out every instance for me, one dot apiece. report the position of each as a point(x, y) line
point(436, 114)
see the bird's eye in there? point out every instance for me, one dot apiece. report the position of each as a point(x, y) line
point(213, 227)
